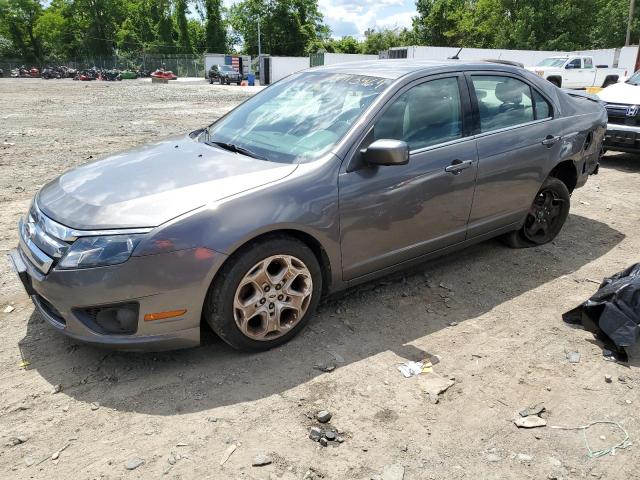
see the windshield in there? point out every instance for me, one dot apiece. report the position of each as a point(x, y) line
point(634, 79)
point(552, 62)
point(226, 68)
point(300, 118)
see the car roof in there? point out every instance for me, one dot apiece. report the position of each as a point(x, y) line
point(397, 68)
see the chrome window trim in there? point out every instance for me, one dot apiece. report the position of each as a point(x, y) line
point(512, 127)
point(67, 234)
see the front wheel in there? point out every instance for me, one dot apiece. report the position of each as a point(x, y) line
point(545, 217)
point(265, 294)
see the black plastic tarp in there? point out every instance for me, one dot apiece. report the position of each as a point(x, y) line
point(613, 312)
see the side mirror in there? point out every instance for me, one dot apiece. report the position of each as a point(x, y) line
point(387, 152)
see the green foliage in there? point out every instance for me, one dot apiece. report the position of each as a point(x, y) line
point(184, 40)
point(215, 32)
point(523, 24)
point(18, 19)
point(40, 31)
point(288, 27)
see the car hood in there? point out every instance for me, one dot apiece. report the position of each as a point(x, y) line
point(621, 93)
point(152, 184)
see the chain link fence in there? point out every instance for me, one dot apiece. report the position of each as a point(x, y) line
point(181, 65)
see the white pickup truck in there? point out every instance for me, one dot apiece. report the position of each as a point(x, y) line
point(576, 71)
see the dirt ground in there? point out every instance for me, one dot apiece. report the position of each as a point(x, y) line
point(496, 328)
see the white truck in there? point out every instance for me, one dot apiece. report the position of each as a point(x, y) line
point(577, 71)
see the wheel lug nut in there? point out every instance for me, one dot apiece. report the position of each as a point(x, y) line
point(262, 300)
point(271, 306)
point(278, 287)
point(280, 297)
point(267, 288)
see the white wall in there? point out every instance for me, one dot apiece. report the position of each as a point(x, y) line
point(283, 66)
point(627, 58)
point(333, 58)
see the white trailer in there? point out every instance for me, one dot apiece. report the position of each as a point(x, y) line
point(624, 57)
point(325, 58)
point(273, 69)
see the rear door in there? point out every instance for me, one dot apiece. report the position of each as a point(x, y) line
point(516, 134)
point(588, 72)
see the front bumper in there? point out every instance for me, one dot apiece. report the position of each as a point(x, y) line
point(156, 283)
point(622, 138)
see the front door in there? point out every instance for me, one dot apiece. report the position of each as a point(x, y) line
point(516, 135)
point(390, 214)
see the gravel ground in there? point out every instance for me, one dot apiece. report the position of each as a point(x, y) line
point(492, 315)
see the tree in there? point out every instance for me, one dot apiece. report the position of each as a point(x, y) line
point(18, 19)
point(288, 27)
point(376, 41)
point(184, 40)
point(215, 33)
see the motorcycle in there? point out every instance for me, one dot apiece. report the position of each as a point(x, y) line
point(110, 75)
point(23, 72)
point(87, 75)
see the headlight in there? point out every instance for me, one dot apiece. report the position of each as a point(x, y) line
point(88, 252)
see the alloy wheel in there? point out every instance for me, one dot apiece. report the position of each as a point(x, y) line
point(272, 297)
point(543, 217)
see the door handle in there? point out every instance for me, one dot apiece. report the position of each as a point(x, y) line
point(550, 140)
point(457, 166)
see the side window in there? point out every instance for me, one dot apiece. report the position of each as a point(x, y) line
point(543, 109)
point(427, 114)
point(588, 62)
point(502, 102)
point(576, 63)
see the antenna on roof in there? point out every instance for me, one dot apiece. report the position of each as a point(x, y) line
point(456, 56)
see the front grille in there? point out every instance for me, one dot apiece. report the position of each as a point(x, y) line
point(38, 240)
point(617, 114)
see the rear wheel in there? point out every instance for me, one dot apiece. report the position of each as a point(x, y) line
point(264, 294)
point(545, 218)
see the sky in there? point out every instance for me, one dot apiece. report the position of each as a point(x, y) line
point(353, 17)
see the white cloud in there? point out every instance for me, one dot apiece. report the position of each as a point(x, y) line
point(353, 17)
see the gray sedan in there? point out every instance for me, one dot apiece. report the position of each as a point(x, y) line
point(326, 179)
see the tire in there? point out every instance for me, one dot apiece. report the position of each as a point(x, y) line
point(211, 81)
point(236, 282)
point(551, 207)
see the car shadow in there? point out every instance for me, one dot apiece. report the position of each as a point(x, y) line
point(624, 162)
point(376, 317)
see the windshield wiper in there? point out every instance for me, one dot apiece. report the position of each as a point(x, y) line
point(232, 147)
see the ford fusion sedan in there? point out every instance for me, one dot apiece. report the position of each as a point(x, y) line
point(326, 179)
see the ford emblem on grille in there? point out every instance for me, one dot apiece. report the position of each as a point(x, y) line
point(632, 110)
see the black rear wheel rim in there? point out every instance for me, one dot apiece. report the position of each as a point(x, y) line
point(543, 220)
